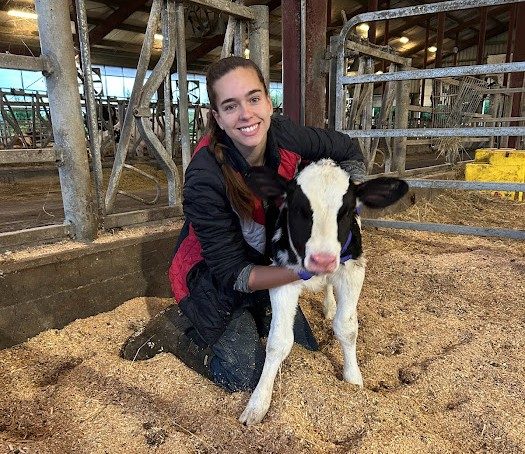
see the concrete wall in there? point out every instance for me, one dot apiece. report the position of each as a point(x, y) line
point(50, 291)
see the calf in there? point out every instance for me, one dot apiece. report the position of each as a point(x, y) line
point(317, 233)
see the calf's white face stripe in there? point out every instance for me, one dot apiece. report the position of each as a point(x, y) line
point(324, 184)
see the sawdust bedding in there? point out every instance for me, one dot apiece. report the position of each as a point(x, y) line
point(441, 348)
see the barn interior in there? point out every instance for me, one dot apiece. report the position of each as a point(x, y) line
point(101, 106)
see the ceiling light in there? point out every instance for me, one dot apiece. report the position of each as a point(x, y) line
point(22, 14)
point(362, 30)
point(404, 40)
point(158, 37)
point(432, 49)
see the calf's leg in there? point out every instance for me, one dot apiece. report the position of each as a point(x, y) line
point(347, 286)
point(280, 340)
point(329, 304)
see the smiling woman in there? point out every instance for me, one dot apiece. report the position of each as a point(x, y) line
point(220, 273)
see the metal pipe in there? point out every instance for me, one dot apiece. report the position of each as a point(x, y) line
point(56, 42)
point(184, 122)
point(142, 111)
point(91, 112)
point(168, 123)
point(128, 124)
point(419, 10)
point(446, 228)
point(493, 68)
point(439, 132)
point(465, 185)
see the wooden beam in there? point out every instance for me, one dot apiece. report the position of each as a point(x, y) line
point(207, 45)
point(439, 40)
point(113, 20)
point(481, 35)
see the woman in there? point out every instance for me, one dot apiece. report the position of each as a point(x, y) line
point(220, 273)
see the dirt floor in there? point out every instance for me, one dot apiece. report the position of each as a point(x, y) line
point(441, 348)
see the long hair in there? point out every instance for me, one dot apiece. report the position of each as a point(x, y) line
point(238, 193)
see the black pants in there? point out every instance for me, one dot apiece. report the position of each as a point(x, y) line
point(238, 355)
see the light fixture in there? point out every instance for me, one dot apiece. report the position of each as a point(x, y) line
point(158, 36)
point(432, 49)
point(246, 53)
point(379, 72)
point(362, 30)
point(22, 14)
point(404, 40)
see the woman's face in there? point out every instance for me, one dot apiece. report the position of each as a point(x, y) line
point(244, 111)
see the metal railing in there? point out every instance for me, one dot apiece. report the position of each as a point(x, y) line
point(58, 66)
point(403, 73)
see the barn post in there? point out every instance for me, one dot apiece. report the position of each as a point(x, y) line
point(314, 63)
point(56, 42)
point(180, 30)
point(291, 48)
point(259, 36)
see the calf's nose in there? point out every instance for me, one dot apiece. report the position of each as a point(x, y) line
point(323, 262)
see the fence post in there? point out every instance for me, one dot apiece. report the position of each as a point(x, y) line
point(56, 42)
point(260, 40)
point(401, 122)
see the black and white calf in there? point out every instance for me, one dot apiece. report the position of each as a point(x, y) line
point(317, 232)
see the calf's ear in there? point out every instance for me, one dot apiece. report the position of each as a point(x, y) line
point(265, 182)
point(381, 192)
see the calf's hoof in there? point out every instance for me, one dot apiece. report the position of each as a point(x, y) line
point(254, 413)
point(353, 376)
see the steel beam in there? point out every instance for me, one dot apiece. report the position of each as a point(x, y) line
point(68, 128)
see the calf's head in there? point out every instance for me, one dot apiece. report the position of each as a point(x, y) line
point(319, 210)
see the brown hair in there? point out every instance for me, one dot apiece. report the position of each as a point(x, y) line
point(238, 193)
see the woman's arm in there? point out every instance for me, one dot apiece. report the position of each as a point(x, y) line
point(265, 277)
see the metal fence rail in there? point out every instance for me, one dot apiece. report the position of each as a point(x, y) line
point(400, 76)
point(446, 228)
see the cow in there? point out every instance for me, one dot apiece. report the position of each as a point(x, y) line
point(316, 231)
